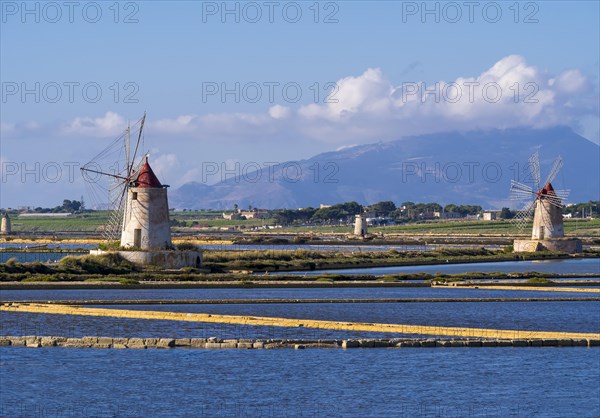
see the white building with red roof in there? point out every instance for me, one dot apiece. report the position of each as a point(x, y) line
point(146, 216)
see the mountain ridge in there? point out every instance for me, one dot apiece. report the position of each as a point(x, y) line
point(473, 167)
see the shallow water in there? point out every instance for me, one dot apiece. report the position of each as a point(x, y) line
point(568, 316)
point(572, 266)
point(284, 293)
point(455, 382)
point(39, 256)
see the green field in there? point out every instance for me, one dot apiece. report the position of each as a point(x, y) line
point(91, 222)
point(583, 227)
point(84, 222)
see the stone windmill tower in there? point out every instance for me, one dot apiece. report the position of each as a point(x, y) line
point(545, 203)
point(360, 225)
point(5, 228)
point(547, 216)
point(140, 209)
point(140, 206)
point(146, 212)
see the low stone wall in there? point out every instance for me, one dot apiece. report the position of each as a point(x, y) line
point(165, 259)
point(564, 245)
point(213, 343)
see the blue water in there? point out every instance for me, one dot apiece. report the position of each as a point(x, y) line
point(283, 293)
point(482, 382)
point(459, 382)
point(39, 256)
point(572, 266)
point(538, 316)
point(340, 248)
point(550, 316)
point(568, 316)
point(60, 245)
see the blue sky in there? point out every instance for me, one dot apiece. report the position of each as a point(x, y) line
point(170, 53)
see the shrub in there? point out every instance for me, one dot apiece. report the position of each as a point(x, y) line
point(539, 280)
point(110, 245)
point(97, 264)
point(186, 246)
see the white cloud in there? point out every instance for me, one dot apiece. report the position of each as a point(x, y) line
point(7, 129)
point(109, 125)
point(163, 165)
point(570, 81)
point(369, 107)
point(180, 124)
point(279, 112)
point(343, 147)
point(511, 93)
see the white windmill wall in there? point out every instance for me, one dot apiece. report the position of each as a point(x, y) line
point(360, 225)
point(547, 221)
point(5, 228)
point(146, 219)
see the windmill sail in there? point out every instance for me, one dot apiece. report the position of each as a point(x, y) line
point(116, 165)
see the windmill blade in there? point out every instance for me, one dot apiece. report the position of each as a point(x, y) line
point(520, 191)
point(520, 195)
point(137, 144)
point(534, 168)
point(554, 201)
point(115, 221)
point(524, 215)
point(563, 193)
point(558, 163)
point(516, 186)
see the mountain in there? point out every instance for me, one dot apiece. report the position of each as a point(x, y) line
point(464, 168)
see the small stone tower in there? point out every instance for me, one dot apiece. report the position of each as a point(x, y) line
point(360, 225)
point(5, 229)
point(146, 216)
point(547, 218)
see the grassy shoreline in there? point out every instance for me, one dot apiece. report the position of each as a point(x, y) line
point(235, 268)
point(304, 260)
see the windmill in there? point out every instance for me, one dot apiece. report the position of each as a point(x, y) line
point(113, 163)
point(138, 201)
point(543, 202)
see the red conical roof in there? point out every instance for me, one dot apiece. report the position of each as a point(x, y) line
point(548, 189)
point(146, 177)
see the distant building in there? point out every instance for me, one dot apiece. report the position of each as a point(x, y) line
point(255, 214)
point(248, 214)
point(322, 206)
point(491, 215)
point(232, 216)
point(380, 221)
point(447, 215)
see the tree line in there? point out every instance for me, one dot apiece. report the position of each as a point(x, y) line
point(345, 212)
point(68, 206)
point(407, 211)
